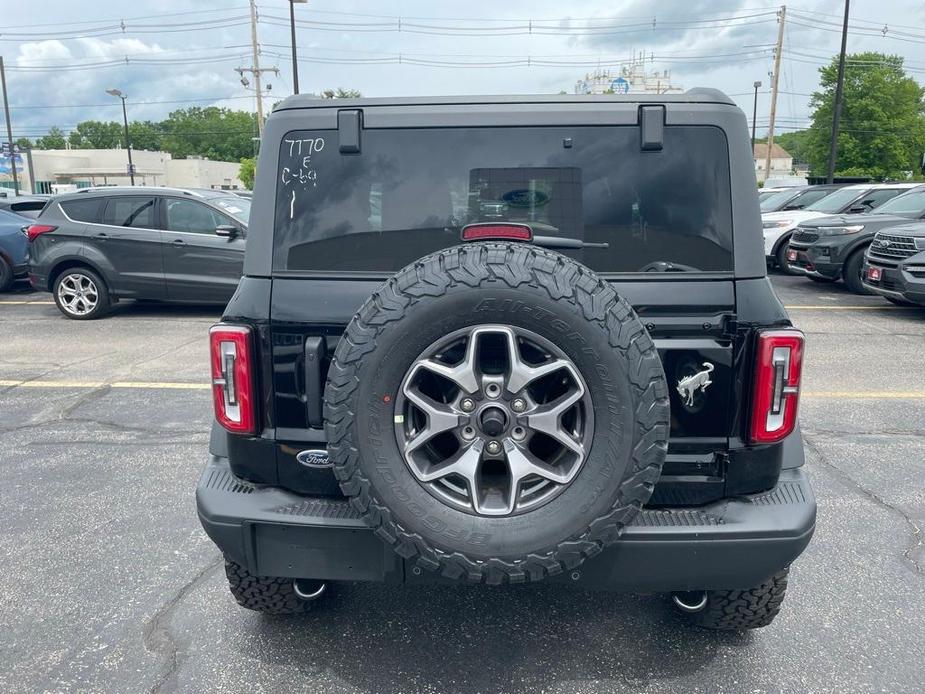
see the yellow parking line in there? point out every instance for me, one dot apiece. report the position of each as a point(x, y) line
point(27, 303)
point(850, 308)
point(180, 385)
point(863, 395)
point(148, 385)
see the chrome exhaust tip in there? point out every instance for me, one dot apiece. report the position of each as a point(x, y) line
point(308, 589)
point(690, 601)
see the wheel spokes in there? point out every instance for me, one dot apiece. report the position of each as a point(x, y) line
point(548, 419)
point(440, 418)
point(522, 374)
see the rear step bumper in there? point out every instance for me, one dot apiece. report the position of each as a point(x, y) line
point(733, 543)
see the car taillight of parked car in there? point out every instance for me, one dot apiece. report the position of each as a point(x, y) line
point(778, 369)
point(33, 231)
point(233, 364)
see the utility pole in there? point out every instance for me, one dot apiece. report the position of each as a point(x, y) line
point(782, 15)
point(9, 128)
point(839, 88)
point(255, 69)
point(755, 110)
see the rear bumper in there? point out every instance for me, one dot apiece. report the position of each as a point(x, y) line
point(733, 543)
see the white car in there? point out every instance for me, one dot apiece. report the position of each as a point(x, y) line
point(863, 197)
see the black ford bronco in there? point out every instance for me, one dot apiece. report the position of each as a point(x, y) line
point(503, 340)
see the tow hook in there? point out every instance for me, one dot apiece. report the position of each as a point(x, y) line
point(308, 589)
point(690, 601)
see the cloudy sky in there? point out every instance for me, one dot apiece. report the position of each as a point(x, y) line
point(166, 54)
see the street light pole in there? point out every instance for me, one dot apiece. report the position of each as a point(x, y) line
point(757, 85)
point(128, 142)
point(295, 59)
point(839, 89)
point(9, 131)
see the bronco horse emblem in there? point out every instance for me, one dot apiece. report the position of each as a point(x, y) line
point(689, 385)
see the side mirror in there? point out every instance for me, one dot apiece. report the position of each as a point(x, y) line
point(229, 231)
point(857, 209)
point(794, 206)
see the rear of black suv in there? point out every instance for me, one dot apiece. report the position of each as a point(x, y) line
point(504, 340)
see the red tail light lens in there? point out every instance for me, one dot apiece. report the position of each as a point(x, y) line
point(233, 367)
point(490, 231)
point(779, 365)
point(35, 230)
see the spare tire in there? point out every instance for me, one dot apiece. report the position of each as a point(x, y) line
point(497, 413)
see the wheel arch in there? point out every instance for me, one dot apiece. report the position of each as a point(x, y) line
point(65, 264)
point(859, 246)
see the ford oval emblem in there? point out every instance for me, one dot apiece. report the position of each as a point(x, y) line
point(314, 457)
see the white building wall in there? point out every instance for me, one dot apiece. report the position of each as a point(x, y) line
point(99, 167)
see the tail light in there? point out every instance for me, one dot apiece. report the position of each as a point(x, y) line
point(501, 231)
point(233, 378)
point(779, 363)
point(35, 230)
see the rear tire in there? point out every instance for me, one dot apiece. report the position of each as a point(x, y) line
point(854, 266)
point(737, 610)
point(6, 275)
point(267, 594)
point(81, 294)
point(781, 258)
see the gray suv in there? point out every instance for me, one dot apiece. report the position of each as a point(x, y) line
point(97, 246)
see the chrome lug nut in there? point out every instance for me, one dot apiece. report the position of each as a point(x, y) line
point(467, 405)
point(493, 447)
point(518, 405)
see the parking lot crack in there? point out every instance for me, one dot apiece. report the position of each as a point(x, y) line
point(916, 532)
point(158, 638)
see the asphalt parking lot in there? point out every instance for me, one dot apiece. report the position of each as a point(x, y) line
point(109, 583)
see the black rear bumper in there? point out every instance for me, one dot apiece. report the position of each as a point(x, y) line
point(734, 543)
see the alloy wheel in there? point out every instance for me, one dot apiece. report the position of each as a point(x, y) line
point(494, 420)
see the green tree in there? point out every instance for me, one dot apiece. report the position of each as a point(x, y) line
point(882, 130)
point(247, 172)
point(94, 134)
point(53, 139)
point(216, 133)
point(145, 134)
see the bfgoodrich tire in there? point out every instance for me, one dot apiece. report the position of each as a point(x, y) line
point(516, 296)
point(737, 610)
point(267, 594)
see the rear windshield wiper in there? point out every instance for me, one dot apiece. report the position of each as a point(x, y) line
point(557, 242)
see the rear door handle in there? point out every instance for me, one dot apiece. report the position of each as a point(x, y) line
point(179, 242)
point(102, 237)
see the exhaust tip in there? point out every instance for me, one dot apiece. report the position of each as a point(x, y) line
point(690, 601)
point(307, 589)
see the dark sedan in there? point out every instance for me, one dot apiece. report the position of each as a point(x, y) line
point(827, 249)
point(95, 247)
point(14, 249)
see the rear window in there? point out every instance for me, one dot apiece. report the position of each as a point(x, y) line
point(409, 193)
point(87, 210)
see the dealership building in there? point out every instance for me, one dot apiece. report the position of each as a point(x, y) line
point(60, 170)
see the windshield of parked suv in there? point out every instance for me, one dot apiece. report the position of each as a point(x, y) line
point(835, 202)
point(775, 200)
point(239, 208)
point(410, 192)
point(911, 204)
